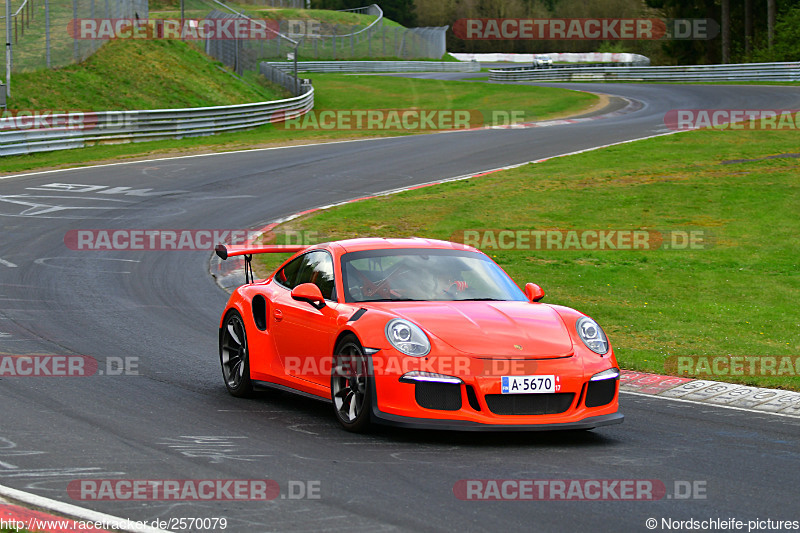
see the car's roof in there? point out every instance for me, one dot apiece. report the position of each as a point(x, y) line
point(380, 243)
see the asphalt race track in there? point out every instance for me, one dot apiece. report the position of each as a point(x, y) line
point(175, 420)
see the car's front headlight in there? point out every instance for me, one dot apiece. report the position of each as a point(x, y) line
point(611, 373)
point(592, 335)
point(407, 337)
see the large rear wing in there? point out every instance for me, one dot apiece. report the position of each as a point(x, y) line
point(224, 253)
point(247, 251)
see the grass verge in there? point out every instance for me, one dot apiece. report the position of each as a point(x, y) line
point(137, 75)
point(735, 298)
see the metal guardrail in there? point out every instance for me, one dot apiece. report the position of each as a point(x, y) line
point(574, 65)
point(693, 73)
point(580, 58)
point(373, 9)
point(133, 126)
point(283, 78)
point(26, 8)
point(25, 11)
point(379, 66)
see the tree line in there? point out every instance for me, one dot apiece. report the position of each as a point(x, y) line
point(749, 30)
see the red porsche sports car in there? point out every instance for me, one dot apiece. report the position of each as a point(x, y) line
point(418, 333)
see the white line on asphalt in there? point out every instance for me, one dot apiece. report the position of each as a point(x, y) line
point(40, 172)
point(9, 264)
point(74, 512)
point(706, 404)
point(478, 174)
point(252, 150)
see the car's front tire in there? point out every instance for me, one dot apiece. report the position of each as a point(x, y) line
point(234, 356)
point(350, 385)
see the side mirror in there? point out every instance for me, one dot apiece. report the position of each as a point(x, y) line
point(308, 292)
point(534, 292)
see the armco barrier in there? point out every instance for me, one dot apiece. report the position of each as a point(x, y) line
point(281, 77)
point(694, 73)
point(132, 126)
point(557, 57)
point(380, 66)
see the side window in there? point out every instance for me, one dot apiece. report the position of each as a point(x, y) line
point(313, 267)
point(287, 274)
point(317, 268)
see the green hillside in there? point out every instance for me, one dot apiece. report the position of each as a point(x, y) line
point(138, 75)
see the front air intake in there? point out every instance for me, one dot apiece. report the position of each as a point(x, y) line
point(529, 404)
point(440, 396)
point(601, 392)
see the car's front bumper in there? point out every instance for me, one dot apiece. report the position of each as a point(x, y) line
point(466, 425)
point(476, 401)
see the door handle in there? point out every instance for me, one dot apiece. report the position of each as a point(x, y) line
point(278, 314)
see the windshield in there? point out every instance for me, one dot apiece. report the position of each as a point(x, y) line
point(424, 275)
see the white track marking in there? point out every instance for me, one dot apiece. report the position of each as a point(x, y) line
point(73, 511)
point(252, 150)
point(706, 404)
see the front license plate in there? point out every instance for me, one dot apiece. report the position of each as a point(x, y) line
point(528, 384)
